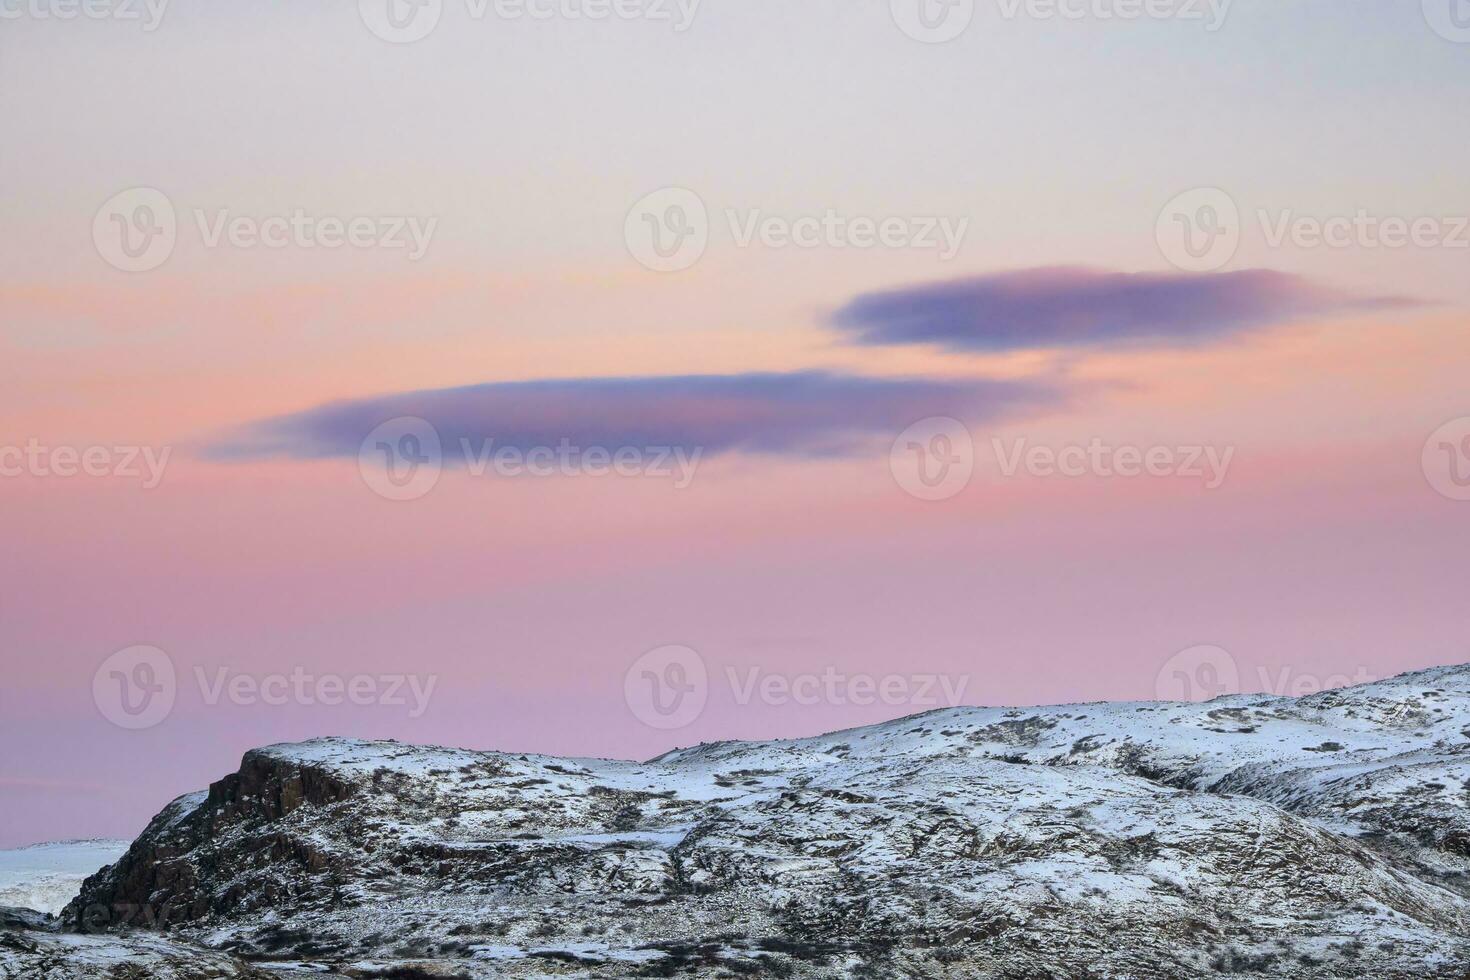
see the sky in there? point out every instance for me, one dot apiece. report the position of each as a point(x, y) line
point(595, 386)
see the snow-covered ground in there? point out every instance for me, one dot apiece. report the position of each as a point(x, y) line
point(1319, 838)
point(47, 876)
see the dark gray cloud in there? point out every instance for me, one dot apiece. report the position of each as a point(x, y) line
point(1079, 307)
point(807, 413)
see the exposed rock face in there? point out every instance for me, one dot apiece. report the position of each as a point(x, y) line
point(167, 877)
point(1320, 837)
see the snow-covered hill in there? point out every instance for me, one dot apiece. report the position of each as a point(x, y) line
point(1322, 837)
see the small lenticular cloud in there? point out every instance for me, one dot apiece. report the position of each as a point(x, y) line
point(1071, 307)
point(806, 413)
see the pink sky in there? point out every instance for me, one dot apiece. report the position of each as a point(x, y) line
point(1326, 552)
